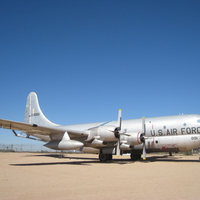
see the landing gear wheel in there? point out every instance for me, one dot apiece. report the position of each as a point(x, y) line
point(109, 156)
point(103, 157)
point(135, 157)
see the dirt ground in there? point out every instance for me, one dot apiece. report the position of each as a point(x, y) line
point(82, 176)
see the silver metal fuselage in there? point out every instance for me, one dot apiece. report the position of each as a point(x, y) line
point(170, 133)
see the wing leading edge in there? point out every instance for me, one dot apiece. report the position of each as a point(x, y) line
point(32, 129)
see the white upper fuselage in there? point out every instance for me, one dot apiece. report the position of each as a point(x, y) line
point(156, 126)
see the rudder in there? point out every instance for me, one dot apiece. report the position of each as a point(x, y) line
point(33, 113)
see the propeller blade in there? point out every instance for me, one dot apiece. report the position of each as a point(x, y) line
point(143, 139)
point(119, 128)
point(123, 133)
point(118, 147)
point(144, 151)
point(119, 118)
point(143, 126)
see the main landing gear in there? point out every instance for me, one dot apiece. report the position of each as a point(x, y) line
point(105, 157)
point(135, 157)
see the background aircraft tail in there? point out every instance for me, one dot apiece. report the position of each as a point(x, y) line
point(33, 113)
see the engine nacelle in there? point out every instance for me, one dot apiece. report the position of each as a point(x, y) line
point(90, 150)
point(125, 147)
point(98, 143)
point(134, 138)
point(64, 144)
point(107, 133)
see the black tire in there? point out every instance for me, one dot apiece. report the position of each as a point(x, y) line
point(103, 157)
point(139, 156)
point(135, 157)
point(109, 156)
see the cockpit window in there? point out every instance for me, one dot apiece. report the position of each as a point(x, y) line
point(198, 121)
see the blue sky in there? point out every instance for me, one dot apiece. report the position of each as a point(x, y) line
point(86, 59)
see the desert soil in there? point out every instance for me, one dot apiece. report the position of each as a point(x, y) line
point(81, 176)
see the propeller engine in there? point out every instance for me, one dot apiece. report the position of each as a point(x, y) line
point(107, 133)
point(143, 138)
point(119, 133)
point(133, 139)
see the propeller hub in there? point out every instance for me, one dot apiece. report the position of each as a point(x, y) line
point(116, 132)
point(142, 138)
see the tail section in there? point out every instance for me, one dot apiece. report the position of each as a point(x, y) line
point(33, 113)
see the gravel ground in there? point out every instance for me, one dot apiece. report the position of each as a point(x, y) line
point(82, 176)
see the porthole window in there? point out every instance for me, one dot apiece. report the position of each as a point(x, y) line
point(184, 124)
point(198, 121)
point(164, 127)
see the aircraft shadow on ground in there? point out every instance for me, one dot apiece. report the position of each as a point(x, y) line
point(75, 160)
point(169, 159)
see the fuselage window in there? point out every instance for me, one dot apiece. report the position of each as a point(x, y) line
point(164, 127)
point(198, 121)
point(184, 124)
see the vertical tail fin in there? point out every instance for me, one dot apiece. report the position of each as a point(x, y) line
point(33, 113)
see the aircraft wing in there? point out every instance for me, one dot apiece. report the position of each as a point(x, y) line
point(33, 129)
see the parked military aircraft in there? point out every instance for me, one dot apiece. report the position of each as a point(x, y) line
point(136, 136)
